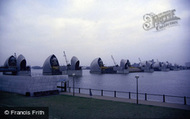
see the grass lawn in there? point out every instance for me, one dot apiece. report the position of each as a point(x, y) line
point(69, 107)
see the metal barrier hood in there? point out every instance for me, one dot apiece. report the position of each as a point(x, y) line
point(51, 66)
point(163, 64)
point(75, 63)
point(156, 65)
point(123, 64)
point(11, 62)
point(21, 62)
point(96, 65)
point(145, 64)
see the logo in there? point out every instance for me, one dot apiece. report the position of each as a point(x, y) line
point(160, 21)
point(6, 112)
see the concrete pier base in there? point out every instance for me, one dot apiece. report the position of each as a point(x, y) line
point(28, 85)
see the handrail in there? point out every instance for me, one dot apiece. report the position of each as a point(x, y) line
point(145, 94)
point(130, 92)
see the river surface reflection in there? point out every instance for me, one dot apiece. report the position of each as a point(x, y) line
point(176, 83)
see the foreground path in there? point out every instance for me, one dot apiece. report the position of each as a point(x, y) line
point(154, 103)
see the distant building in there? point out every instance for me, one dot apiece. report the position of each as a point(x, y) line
point(187, 64)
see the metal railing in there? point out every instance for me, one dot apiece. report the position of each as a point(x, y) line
point(131, 95)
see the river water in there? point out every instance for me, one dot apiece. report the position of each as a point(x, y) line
point(176, 83)
point(169, 83)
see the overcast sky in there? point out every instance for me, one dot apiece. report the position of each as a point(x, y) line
point(89, 29)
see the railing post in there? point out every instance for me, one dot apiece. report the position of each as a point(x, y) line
point(114, 93)
point(101, 92)
point(164, 98)
point(69, 89)
point(90, 92)
point(61, 86)
point(129, 95)
point(145, 96)
point(79, 90)
point(185, 100)
point(65, 86)
point(73, 91)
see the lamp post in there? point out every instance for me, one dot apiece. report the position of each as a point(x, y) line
point(73, 84)
point(137, 76)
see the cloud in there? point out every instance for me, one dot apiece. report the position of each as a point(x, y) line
point(90, 29)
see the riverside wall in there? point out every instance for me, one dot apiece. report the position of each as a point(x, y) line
point(30, 84)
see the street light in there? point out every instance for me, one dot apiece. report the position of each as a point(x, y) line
point(137, 76)
point(73, 84)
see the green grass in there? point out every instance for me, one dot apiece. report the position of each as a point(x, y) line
point(69, 107)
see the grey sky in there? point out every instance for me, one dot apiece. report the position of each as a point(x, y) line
point(92, 28)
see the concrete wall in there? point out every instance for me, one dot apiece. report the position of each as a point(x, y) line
point(23, 84)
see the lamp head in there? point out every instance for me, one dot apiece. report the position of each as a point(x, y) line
point(137, 76)
point(73, 74)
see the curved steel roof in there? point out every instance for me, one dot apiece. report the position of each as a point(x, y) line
point(96, 65)
point(75, 63)
point(145, 64)
point(51, 65)
point(11, 62)
point(124, 64)
point(21, 62)
point(156, 65)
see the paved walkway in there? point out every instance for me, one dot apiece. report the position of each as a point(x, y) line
point(154, 103)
